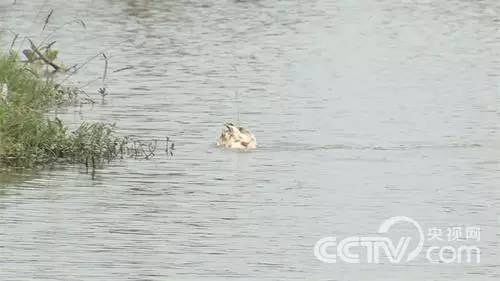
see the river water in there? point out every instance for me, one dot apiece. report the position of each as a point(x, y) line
point(363, 110)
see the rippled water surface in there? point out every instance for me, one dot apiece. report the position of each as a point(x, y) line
point(363, 110)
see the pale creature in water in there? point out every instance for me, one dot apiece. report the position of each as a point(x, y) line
point(237, 137)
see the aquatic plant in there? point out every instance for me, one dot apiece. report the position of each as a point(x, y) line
point(30, 88)
point(28, 137)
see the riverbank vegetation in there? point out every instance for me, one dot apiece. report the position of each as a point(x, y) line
point(29, 137)
point(33, 85)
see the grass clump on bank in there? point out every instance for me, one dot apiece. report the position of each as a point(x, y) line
point(28, 137)
point(29, 92)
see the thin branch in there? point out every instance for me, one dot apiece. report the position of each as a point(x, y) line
point(81, 66)
point(48, 46)
point(105, 69)
point(122, 69)
point(60, 27)
point(33, 47)
point(92, 58)
point(47, 19)
point(13, 41)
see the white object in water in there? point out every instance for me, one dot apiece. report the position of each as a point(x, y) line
point(237, 137)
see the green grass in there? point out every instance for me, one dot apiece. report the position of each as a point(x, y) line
point(28, 137)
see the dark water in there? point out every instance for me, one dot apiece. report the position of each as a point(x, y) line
point(363, 110)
